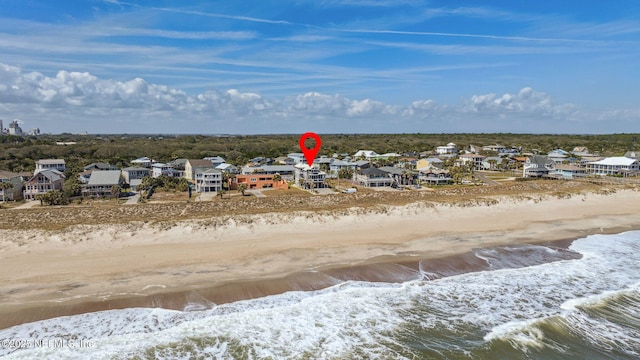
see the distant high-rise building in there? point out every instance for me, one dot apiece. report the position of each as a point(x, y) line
point(1, 127)
point(14, 128)
point(34, 131)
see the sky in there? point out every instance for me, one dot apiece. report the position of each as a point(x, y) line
point(328, 66)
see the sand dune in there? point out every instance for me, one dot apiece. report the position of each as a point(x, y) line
point(100, 263)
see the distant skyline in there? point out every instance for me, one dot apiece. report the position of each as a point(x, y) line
point(328, 66)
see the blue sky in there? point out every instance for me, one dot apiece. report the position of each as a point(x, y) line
point(328, 66)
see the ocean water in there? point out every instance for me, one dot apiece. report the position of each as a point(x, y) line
point(522, 302)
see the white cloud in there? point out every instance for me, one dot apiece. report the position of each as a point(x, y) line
point(81, 100)
point(526, 101)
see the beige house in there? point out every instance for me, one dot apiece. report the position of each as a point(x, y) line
point(472, 160)
point(43, 182)
point(192, 165)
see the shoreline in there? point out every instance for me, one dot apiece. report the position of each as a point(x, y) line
point(95, 267)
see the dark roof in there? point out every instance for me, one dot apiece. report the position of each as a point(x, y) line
point(373, 172)
point(200, 163)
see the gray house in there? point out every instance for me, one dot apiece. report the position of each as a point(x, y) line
point(102, 181)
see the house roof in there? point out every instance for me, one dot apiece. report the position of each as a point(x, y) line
point(365, 153)
point(472, 156)
point(200, 163)
point(615, 161)
point(269, 168)
point(395, 170)
point(7, 174)
point(100, 166)
point(568, 167)
point(374, 172)
point(104, 177)
point(141, 160)
point(207, 171)
point(51, 174)
point(216, 159)
point(540, 160)
point(343, 163)
point(135, 168)
point(225, 166)
point(50, 161)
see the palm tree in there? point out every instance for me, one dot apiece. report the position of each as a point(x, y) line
point(4, 186)
point(115, 191)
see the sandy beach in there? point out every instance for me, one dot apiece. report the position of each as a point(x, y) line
point(81, 268)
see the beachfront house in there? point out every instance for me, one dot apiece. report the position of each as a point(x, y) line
point(401, 176)
point(102, 183)
point(285, 171)
point(43, 182)
point(618, 165)
point(13, 189)
point(258, 181)
point(133, 176)
point(373, 177)
point(537, 166)
point(160, 169)
point(208, 180)
point(569, 171)
point(434, 176)
point(50, 164)
point(309, 177)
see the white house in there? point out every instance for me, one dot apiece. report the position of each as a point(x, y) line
point(143, 161)
point(297, 158)
point(537, 166)
point(450, 148)
point(208, 180)
point(367, 154)
point(618, 165)
point(309, 177)
point(50, 164)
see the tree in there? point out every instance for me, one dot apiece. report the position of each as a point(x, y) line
point(4, 186)
point(221, 193)
point(242, 188)
point(115, 191)
point(72, 186)
point(54, 197)
point(345, 173)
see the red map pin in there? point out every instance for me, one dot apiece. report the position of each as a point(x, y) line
point(310, 154)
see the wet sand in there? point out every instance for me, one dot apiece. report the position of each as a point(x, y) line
point(49, 274)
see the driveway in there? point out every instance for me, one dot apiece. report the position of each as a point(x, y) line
point(256, 193)
point(133, 199)
point(27, 205)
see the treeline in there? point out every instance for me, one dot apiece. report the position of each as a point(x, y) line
point(20, 153)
